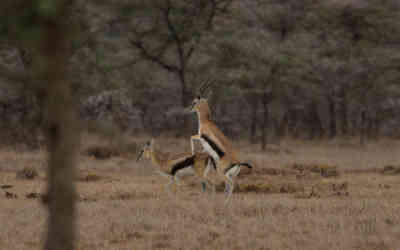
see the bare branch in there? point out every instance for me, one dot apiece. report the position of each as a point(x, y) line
point(155, 59)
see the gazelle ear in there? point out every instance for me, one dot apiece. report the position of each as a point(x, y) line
point(205, 87)
point(151, 143)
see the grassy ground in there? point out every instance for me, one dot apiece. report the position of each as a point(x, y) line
point(327, 195)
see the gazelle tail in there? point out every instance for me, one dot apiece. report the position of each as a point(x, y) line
point(246, 165)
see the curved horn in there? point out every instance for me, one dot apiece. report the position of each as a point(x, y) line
point(205, 86)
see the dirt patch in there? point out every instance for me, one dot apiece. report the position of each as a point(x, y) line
point(283, 188)
point(300, 170)
point(325, 171)
point(276, 149)
point(102, 152)
point(324, 190)
point(42, 197)
point(33, 195)
point(390, 170)
point(10, 195)
point(362, 171)
point(90, 178)
point(275, 171)
point(6, 186)
point(87, 199)
point(27, 173)
point(261, 187)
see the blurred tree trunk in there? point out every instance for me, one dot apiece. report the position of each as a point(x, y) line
point(62, 128)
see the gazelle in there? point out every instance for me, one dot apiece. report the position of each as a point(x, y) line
point(179, 165)
point(215, 143)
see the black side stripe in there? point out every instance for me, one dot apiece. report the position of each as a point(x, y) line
point(237, 164)
point(214, 146)
point(183, 164)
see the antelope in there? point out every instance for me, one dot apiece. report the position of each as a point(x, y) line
point(214, 142)
point(179, 165)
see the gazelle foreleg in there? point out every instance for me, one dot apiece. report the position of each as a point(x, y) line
point(192, 138)
point(206, 182)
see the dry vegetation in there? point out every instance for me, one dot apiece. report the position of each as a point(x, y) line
point(326, 195)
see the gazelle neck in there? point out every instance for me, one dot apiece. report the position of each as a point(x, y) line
point(204, 114)
point(157, 158)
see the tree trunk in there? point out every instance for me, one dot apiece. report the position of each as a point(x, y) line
point(143, 116)
point(344, 111)
point(376, 128)
point(62, 131)
point(332, 115)
point(370, 127)
point(283, 126)
point(293, 121)
point(253, 125)
point(363, 127)
point(315, 122)
point(265, 125)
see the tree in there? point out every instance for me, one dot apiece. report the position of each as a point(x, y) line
point(45, 30)
point(172, 35)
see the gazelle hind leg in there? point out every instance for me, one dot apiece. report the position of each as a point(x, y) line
point(203, 186)
point(177, 180)
point(229, 186)
point(171, 181)
point(206, 181)
point(209, 185)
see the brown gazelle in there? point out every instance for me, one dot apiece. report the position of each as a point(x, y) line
point(174, 166)
point(215, 143)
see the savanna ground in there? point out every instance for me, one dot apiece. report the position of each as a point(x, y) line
point(325, 195)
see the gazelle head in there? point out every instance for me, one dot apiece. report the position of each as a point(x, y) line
point(145, 150)
point(200, 102)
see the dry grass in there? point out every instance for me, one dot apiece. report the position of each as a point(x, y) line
point(123, 205)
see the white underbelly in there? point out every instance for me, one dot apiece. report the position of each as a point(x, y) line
point(185, 171)
point(209, 150)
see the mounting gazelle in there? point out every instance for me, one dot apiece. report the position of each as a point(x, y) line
point(179, 165)
point(214, 141)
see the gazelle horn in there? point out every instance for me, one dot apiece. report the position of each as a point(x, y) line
point(205, 86)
